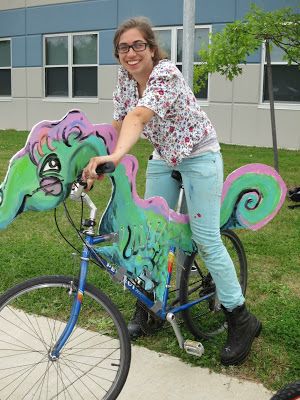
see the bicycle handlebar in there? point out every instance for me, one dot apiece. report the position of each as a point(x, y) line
point(78, 194)
point(105, 168)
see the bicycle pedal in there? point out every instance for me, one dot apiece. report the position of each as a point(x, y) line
point(194, 348)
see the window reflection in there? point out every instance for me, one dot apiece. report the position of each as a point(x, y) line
point(71, 65)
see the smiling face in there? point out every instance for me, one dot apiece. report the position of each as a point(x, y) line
point(138, 64)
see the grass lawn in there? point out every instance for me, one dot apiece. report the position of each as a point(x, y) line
point(32, 246)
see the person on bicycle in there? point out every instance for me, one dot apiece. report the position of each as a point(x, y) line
point(153, 99)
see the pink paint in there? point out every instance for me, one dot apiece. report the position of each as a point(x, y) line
point(156, 204)
point(256, 169)
point(74, 122)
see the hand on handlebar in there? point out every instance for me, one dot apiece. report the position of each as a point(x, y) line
point(95, 169)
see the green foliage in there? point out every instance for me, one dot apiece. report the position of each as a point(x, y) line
point(230, 48)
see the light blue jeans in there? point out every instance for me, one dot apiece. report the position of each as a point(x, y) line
point(203, 180)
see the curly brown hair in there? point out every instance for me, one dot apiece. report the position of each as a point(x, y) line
point(144, 25)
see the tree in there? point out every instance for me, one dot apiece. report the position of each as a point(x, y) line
point(229, 49)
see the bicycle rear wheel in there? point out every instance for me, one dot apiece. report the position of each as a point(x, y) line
point(94, 362)
point(205, 319)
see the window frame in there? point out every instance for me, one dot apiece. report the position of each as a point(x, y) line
point(174, 34)
point(70, 66)
point(279, 105)
point(7, 39)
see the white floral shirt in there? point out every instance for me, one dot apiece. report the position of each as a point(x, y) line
point(179, 125)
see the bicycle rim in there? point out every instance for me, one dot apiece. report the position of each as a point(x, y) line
point(93, 364)
point(206, 319)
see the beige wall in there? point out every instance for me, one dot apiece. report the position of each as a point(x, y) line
point(28, 105)
point(240, 118)
point(234, 107)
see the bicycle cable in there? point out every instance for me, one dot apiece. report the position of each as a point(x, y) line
point(61, 233)
point(79, 233)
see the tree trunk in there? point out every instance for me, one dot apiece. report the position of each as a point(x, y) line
point(272, 108)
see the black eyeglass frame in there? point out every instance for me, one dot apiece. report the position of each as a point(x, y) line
point(128, 47)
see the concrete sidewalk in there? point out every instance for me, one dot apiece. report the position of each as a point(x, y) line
point(152, 375)
point(159, 376)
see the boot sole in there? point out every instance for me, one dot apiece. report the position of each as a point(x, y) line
point(239, 360)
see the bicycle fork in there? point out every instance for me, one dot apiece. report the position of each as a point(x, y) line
point(76, 306)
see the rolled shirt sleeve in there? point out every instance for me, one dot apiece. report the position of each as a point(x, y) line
point(162, 92)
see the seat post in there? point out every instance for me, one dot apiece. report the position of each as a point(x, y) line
point(181, 208)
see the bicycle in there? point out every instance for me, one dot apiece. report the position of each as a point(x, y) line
point(76, 351)
point(63, 352)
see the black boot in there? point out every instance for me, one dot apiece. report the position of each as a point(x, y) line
point(243, 327)
point(134, 327)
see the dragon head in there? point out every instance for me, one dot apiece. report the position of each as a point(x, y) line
point(41, 174)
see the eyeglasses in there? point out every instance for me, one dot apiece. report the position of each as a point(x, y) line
point(136, 46)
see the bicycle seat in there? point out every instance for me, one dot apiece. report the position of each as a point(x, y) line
point(177, 176)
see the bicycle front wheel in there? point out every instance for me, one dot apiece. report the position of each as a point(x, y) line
point(205, 319)
point(94, 362)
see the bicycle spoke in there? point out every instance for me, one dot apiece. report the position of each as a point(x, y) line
point(37, 383)
point(24, 376)
point(88, 373)
point(205, 319)
point(91, 364)
point(90, 377)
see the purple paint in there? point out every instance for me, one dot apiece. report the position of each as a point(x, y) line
point(260, 169)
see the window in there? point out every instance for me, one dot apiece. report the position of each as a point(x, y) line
point(286, 79)
point(5, 67)
point(171, 40)
point(71, 65)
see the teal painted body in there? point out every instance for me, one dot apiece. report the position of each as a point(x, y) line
point(40, 177)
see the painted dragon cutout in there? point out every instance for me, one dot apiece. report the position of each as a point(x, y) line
point(41, 174)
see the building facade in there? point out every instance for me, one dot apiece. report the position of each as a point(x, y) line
point(57, 55)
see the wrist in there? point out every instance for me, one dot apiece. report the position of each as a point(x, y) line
point(116, 157)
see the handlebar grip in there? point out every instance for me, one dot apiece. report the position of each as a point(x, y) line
point(105, 168)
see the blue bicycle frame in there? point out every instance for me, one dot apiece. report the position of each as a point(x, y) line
point(88, 253)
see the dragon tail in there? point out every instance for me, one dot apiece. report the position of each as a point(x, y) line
point(252, 196)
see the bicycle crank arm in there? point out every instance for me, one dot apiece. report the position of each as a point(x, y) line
point(172, 319)
point(190, 346)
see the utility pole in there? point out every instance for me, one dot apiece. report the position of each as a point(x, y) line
point(272, 108)
point(188, 41)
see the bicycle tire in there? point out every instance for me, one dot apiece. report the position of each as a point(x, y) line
point(205, 319)
point(289, 392)
point(94, 362)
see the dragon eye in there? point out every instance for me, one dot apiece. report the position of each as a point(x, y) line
point(50, 164)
